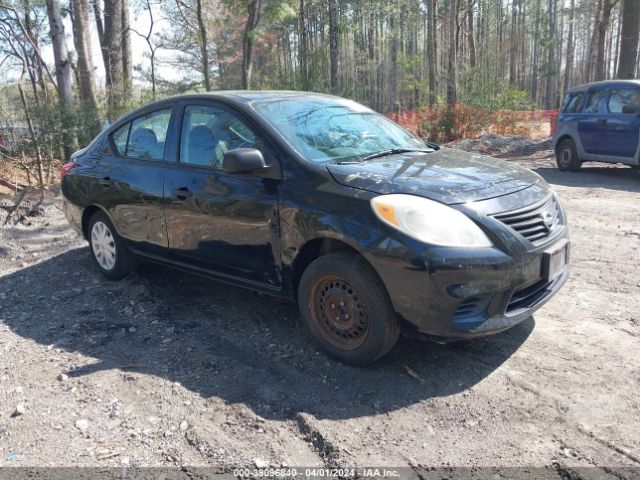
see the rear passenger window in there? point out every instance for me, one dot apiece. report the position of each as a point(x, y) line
point(573, 102)
point(595, 101)
point(148, 135)
point(144, 137)
point(623, 97)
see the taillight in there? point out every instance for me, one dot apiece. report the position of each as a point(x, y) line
point(66, 168)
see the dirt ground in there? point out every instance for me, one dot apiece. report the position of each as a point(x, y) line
point(166, 369)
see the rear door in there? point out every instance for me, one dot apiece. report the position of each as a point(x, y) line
point(593, 122)
point(130, 179)
point(623, 128)
point(227, 223)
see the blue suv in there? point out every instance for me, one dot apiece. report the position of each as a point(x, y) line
point(599, 122)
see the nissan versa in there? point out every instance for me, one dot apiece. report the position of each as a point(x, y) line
point(319, 199)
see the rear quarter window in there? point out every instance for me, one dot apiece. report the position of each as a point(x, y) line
point(143, 137)
point(573, 102)
point(120, 138)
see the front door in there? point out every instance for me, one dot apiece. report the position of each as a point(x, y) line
point(623, 128)
point(218, 221)
point(593, 122)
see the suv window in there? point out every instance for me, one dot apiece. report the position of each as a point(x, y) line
point(573, 102)
point(621, 97)
point(595, 101)
point(209, 132)
point(144, 137)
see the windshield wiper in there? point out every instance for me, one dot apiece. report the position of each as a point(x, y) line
point(393, 151)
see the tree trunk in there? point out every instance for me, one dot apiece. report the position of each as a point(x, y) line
point(603, 25)
point(551, 59)
point(470, 36)
point(513, 51)
point(114, 76)
point(629, 38)
point(302, 40)
point(97, 14)
point(451, 70)
point(333, 45)
point(204, 46)
point(63, 76)
point(431, 51)
point(86, 81)
point(253, 18)
point(536, 55)
point(570, 48)
point(127, 65)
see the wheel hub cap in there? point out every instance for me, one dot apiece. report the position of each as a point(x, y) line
point(103, 245)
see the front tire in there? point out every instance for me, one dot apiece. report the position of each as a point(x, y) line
point(346, 308)
point(567, 156)
point(108, 251)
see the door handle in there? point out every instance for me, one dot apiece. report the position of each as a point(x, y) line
point(105, 182)
point(602, 122)
point(182, 193)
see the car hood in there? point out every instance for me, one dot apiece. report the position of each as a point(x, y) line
point(445, 175)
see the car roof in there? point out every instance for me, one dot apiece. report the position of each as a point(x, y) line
point(603, 83)
point(233, 96)
point(248, 96)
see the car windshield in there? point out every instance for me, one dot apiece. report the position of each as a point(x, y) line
point(327, 129)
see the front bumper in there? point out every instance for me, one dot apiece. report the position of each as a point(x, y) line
point(466, 292)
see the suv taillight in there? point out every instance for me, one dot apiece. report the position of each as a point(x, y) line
point(66, 168)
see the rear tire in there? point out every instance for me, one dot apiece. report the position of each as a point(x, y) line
point(347, 309)
point(108, 251)
point(567, 156)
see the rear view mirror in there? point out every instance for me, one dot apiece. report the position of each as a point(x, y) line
point(633, 109)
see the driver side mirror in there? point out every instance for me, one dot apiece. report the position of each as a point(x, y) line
point(633, 109)
point(247, 161)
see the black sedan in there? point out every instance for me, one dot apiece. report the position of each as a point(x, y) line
point(318, 199)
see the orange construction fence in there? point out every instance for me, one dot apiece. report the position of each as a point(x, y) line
point(472, 122)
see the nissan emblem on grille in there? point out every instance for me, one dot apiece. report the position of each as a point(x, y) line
point(535, 222)
point(547, 216)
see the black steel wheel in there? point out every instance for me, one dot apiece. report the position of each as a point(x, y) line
point(346, 308)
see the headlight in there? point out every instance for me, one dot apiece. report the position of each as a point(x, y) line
point(429, 221)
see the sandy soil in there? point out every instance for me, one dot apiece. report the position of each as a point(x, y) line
point(167, 369)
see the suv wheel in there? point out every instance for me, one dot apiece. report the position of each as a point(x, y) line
point(567, 156)
point(346, 308)
point(108, 251)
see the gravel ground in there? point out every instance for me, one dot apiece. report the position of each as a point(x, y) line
point(166, 369)
point(503, 146)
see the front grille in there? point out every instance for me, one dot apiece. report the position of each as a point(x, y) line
point(529, 296)
point(536, 222)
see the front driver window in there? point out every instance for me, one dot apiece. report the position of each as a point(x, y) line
point(208, 133)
